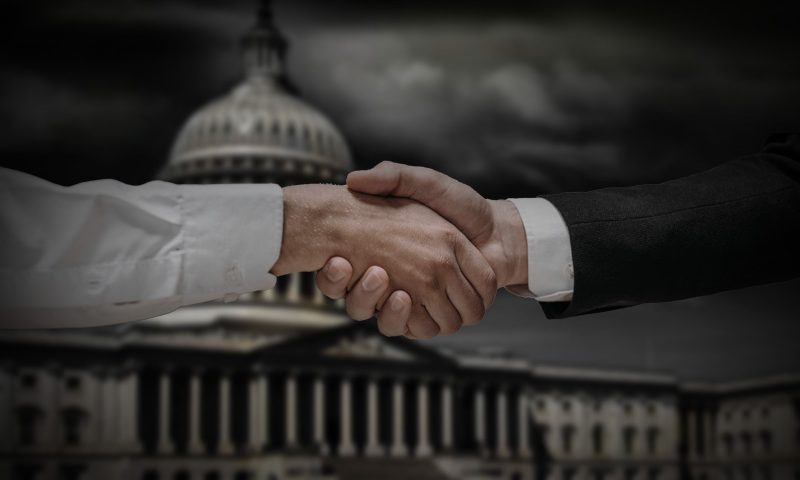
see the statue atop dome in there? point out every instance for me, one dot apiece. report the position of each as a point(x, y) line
point(264, 48)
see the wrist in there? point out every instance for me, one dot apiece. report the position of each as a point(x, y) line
point(511, 264)
point(303, 245)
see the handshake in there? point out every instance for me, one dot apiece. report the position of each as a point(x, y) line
point(421, 251)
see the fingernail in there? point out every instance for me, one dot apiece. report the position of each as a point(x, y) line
point(371, 281)
point(334, 274)
point(396, 304)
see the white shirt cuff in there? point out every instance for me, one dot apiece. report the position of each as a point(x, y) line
point(550, 272)
point(232, 237)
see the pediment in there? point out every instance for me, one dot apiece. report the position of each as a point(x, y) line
point(367, 346)
point(360, 341)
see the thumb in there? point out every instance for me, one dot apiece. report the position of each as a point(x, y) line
point(456, 202)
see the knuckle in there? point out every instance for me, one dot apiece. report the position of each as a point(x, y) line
point(450, 325)
point(423, 327)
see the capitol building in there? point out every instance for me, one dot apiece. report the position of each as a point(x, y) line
point(281, 384)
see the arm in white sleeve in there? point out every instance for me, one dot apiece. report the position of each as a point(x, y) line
point(103, 252)
point(550, 272)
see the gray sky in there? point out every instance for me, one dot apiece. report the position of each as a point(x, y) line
point(515, 101)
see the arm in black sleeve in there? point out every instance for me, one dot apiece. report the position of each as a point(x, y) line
point(730, 227)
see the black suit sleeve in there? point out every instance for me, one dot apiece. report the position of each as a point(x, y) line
point(733, 226)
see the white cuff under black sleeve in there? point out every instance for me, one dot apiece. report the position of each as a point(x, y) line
point(550, 272)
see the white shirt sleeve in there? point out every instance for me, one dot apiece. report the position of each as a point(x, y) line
point(103, 252)
point(550, 272)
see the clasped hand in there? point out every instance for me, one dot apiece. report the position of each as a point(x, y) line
point(421, 251)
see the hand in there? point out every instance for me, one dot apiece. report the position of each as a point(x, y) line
point(364, 300)
point(494, 226)
point(448, 279)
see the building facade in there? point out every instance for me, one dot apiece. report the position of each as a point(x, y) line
point(282, 385)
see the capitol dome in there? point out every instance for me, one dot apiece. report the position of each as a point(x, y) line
point(260, 131)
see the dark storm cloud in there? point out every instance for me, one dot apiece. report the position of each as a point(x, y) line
point(553, 106)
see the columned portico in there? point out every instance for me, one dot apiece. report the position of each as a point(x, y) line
point(291, 410)
point(480, 418)
point(423, 437)
point(399, 448)
point(447, 416)
point(224, 445)
point(129, 410)
point(255, 408)
point(195, 443)
point(346, 446)
point(373, 448)
point(502, 423)
point(524, 447)
point(319, 415)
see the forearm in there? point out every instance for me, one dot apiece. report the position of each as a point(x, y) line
point(730, 227)
point(104, 252)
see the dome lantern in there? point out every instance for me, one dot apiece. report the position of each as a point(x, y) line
point(264, 48)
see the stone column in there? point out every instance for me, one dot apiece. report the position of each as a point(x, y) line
point(224, 445)
point(291, 410)
point(423, 422)
point(109, 405)
point(195, 397)
point(399, 448)
point(346, 446)
point(293, 290)
point(268, 295)
point(502, 423)
point(447, 416)
point(373, 448)
point(319, 297)
point(319, 415)
point(691, 433)
point(524, 447)
point(255, 414)
point(129, 409)
point(480, 418)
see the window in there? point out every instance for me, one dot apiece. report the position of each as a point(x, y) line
point(597, 439)
point(568, 473)
point(28, 420)
point(566, 405)
point(654, 474)
point(630, 474)
point(598, 474)
point(27, 472)
point(72, 422)
point(150, 475)
point(627, 408)
point(73, 383)
point(766, 441)
point(628, 438)
point(71, 472)
point(727, 444)
point(747, 443)
point(182, 475)
point(651, 408)
point(652, 440)
point(28, 381)
point(567, 434)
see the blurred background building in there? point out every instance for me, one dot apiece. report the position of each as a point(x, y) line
point(281, 384)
